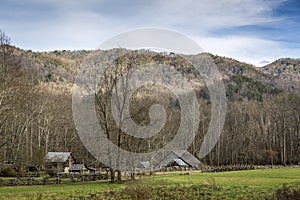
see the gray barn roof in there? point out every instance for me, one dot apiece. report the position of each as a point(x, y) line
point(57, 156)
point(180, 162)
point(187, 157)
point(184, 155)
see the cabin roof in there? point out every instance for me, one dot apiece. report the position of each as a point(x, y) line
point(57, 156)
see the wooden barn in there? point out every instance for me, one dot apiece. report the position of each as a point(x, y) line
point(58, 161)
point(181, 158)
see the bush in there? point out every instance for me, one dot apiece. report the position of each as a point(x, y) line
point(8, 172)
point(51, 172)
point(287, 192)
point(21, 172)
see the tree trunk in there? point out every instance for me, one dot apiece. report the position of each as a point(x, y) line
point(112, 175)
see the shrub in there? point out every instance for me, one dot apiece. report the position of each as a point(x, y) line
point(8, 172)
point(21, 172)
point(287, 192)
point(51, 172)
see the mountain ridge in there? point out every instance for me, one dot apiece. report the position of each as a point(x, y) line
point(58, 68)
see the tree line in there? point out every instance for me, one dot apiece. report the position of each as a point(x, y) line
point(35, 119)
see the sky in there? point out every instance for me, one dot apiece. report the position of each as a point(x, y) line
point(253, 31)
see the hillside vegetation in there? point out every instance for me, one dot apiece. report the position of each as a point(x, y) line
point(261, 127)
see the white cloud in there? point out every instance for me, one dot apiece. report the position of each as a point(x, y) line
point(251, 50)
point(86, 24)
point(207, 14)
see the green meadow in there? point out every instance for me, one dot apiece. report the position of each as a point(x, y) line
point(254, 184)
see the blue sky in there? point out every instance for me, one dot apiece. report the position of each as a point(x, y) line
point(253, 31)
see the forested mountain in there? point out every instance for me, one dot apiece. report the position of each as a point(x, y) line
point(262, 124)
point(284, 73)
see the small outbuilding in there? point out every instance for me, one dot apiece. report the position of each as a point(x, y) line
point(58, 161)
point(78, 168)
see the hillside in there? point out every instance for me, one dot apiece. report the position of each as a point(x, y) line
point(284, 73)
point(57, 69)
point(261, 125)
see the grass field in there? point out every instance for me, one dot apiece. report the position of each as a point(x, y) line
point(254, 184)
